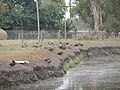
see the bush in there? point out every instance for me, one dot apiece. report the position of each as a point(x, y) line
point(3, 35)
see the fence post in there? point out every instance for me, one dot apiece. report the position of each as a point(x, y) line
point(59, 35)
point(89, 34)
point(75, 33)
point(41, 34)
point(19, 36)
point(22, 36)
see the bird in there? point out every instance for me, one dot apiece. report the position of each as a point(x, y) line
point(51, 48)
point(37, 45)
point(24, 45)
point(12, 63)
point(78, 44)
point(50, 43)
point(60, 53)
point(61, 46)
point(48, 60)
point(67, 43)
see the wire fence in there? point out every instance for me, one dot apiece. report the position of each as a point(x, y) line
point(19, 34)
point(58, 34)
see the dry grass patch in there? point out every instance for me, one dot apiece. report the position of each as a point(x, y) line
point(11, 49)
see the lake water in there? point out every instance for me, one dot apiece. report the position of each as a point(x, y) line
point(93, 74)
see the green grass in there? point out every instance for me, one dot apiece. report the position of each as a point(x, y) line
point(72, 62)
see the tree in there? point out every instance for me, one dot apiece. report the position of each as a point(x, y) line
point(83, 9)
point(52, 14)
point(3, 8)
point(100, 14)
point(21, 14)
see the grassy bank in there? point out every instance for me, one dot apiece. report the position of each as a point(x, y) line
point(73, 62)
point(10, 49)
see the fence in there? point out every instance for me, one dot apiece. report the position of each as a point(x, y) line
point(57, 34)
point(19, 34)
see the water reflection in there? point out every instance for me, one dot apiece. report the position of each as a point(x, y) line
point(95, 74)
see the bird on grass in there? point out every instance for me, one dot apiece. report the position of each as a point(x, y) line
point(51, 48)
point(60, 53)
point(50, 43)
point(61, 46)
point(48, 60)
point(37, 45)
point(24, 45)
point(78, 44)
point(67, 43)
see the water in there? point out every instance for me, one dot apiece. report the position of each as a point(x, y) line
point(95, 74)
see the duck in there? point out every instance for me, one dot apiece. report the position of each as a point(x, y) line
point(24, 45)
point(60, 53)
point(12, 63)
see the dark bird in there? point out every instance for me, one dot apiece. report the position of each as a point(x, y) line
point(78, 44)
point(50, 43)
point(60, 53)
point(61, 46)
point(51, 48)
point(12, 63)
point(36, 45)
point(67, 43)
point(81, 44)
point(48, 60)
point(24, 45)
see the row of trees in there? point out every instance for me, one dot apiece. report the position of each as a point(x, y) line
point(100, 14)
point(21, 14)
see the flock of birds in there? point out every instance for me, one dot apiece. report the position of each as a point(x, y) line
point(51, 46)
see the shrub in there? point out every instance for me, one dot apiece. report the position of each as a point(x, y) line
point(3, 35)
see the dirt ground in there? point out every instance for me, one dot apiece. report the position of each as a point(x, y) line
point(11, 50)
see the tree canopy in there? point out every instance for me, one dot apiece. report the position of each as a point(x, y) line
point(21, 14)
point(105, 12)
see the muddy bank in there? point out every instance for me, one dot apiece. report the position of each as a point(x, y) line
point(31, 73)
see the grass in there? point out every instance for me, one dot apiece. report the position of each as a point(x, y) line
point(12, 48)
point(72, 62)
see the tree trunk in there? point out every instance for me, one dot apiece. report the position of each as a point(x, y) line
point(96, 17)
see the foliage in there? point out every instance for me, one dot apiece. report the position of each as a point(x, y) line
point(21, 14)
point(52, 14)
point(3, 8)
point(109, 9)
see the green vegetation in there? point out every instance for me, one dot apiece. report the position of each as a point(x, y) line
point(21, 14)
point(100, 14)
point(3, 8)
point(72, 62)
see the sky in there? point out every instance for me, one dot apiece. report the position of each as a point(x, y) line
point(67, 14)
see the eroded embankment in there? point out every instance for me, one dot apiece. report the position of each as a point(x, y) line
point(35, 72)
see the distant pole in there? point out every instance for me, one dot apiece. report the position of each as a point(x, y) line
point(38, 18)
point(41, 34)
point(65, 24)
point(70, 7)
point(59, 36)
point(22, 36)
